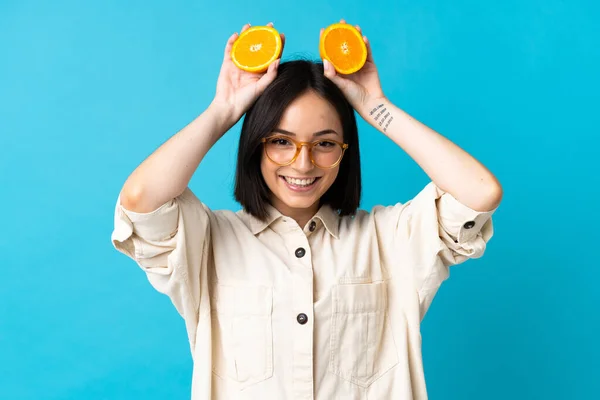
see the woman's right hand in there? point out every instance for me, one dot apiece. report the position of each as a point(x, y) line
point(237, 89)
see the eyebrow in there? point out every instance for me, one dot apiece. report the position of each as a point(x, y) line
point(320, 133)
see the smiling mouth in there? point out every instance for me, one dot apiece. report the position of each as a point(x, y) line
point(301, 183)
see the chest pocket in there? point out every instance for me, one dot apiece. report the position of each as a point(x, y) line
point(362, 344)
point(242, 333)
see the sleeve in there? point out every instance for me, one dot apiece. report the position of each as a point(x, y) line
point(170, 244)
point(430, 233)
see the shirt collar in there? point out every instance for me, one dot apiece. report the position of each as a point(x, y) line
point(328, 217)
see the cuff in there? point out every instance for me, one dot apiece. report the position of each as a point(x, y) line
point(459, 221)
point(156, 225)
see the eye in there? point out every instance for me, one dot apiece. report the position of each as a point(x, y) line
point(279, 141)
point(326, 143)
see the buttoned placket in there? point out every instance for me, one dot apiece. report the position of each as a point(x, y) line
point(302, 303)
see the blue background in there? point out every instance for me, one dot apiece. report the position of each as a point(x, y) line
point(88, 91)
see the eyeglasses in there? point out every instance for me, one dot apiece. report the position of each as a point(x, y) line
point(283, 151)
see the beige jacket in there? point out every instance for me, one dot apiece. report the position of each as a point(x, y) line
point(331, 310)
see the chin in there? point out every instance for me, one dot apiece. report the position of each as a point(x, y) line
point(299, 204)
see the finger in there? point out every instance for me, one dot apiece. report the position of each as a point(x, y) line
point(369, 52)
point(329, 70)
point(245, 27)
point(342, 21)
point(270, 24)
point(358, 28)
point(331, 74)
point(321, 33)
point(282, 40)
point(230, 43)
point(268, 77)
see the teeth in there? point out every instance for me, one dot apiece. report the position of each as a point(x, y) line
point(299, 182)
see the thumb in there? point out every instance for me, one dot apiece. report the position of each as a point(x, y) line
point(269, 76)
point(331, 74)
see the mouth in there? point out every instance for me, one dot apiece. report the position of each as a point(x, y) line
point(299, 184)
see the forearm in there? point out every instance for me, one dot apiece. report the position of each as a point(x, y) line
point(166, 173)
point(449, 167)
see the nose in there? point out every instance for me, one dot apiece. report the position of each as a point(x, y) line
point(303, 162)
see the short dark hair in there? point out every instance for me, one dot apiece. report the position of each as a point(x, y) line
point(295, 78)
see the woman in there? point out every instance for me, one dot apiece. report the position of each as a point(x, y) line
point(300, 295)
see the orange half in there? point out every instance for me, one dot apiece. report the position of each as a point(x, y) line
point(343, 46)
point(256, 48)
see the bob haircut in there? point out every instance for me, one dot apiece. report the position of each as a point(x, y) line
point(295, 78)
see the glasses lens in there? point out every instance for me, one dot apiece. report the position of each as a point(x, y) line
point(280, 150)
point(325, 153)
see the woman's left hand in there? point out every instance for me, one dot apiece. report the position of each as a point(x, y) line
point(362, 88)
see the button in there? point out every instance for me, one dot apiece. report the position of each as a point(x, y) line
point(300, 252)
point(312, 226)
point(302, 319)
point(469, 224)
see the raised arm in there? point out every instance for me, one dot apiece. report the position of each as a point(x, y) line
point(167, 171)
point(451, 168)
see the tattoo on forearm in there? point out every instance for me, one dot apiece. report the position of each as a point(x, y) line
point(375, 109)
point(382, 110)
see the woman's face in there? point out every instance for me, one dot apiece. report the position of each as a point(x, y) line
point(299, 186)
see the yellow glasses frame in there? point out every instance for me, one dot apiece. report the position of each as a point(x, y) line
point(299, 146)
